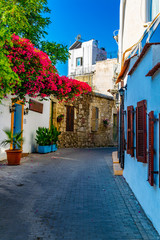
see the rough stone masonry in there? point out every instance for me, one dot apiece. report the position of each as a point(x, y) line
point(88, 130)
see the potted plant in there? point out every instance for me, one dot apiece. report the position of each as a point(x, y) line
point(106, 122)
point(54, 138)
point(43, 139)
point(15, 140)
point(60, 118)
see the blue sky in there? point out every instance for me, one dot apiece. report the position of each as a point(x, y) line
point(91, 19)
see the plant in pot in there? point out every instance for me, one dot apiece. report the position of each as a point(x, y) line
point(106, 122)
point(43, 139)
point(54, 137)
point(60, 118)
point(15, 140)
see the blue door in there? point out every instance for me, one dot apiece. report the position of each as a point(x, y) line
point(17, 119)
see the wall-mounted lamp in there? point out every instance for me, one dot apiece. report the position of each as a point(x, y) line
point(12, 108)
point(121, 90)
point(115, 35)
point(26, 111)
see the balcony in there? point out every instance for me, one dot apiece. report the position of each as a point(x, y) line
point(82, 70)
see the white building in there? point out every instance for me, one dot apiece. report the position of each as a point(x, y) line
point(135, 17)
point(16, 120)
point(139, 130)
point(83, 57)
point(89, 63)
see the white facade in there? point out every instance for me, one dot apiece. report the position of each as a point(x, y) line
point(30, 124)
point(135, 17)
point(89, 53)
point(93, 67)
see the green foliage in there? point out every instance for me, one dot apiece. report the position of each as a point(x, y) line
point(14, 139)
point(43, 137)
point(8, 78)
point(46, 136)
point(54, 133)
point(55, 51)
point(25, 18)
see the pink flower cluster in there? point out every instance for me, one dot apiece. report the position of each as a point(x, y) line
point(37, 74)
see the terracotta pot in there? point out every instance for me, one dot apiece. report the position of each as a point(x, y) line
point(14, 156)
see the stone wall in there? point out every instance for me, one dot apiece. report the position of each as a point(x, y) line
point(83, 136)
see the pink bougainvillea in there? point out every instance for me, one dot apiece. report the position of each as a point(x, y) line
point(39, 78)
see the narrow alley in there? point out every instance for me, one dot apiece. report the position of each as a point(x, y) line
point(72, 195)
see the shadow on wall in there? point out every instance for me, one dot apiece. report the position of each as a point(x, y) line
point(33, 143)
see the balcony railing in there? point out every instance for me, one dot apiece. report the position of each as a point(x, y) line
point(82, 70)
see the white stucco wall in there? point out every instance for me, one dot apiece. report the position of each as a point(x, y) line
point(140, 88)
point(31, 122)
point(133, 18)
point(89, 52)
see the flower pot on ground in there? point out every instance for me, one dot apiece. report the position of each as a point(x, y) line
point(43, 139)
point(54, 137)
point(15, 140)
point(44, 149)
point(53, 147)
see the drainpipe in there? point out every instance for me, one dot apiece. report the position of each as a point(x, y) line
point(121, 158)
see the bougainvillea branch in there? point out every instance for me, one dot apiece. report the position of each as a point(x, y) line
point(38, 77)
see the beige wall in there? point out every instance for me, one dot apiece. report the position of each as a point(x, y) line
point(85, 78)
point(103, 76)
point(132, 21)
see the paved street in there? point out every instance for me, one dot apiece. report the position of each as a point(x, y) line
point(72, 195)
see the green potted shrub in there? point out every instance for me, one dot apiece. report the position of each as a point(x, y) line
point(43, 139)
point(54, 137)
point(15, 140)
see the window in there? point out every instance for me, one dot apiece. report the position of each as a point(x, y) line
point(70, 119)
point(79, 61)
point(130, 130)
point(141, 131)
point(94, 119)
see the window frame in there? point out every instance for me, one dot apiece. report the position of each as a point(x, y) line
point(141, 131)
point(81, 61)
point(70, 118)
point(94, 119)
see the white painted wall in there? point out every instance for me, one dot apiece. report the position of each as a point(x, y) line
point(31, 122)
point(90, 53)
point(5, 123)
point(134, 14)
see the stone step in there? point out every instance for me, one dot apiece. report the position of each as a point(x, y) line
point(117, 169)
point(115, 157)
point(116, 166)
